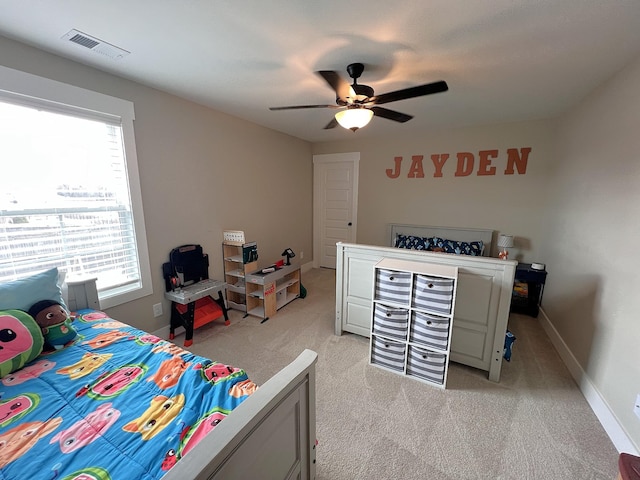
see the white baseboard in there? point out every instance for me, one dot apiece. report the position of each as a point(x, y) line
point(164, 332)
point(599, 406)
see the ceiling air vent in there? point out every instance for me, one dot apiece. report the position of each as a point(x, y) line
point(95, 44)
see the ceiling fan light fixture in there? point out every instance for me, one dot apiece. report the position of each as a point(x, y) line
point(358, 103)
point(354, 118)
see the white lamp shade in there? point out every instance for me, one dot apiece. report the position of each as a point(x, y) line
point(354, 118)
point(505, 241)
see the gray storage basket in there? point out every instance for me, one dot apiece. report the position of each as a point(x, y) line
point(426, 364)
point(393, 286)
point(430, 330)
point(391, 321)
point(387, 353)
point(433, 293)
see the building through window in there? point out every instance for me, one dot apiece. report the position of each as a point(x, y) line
point(68, 194)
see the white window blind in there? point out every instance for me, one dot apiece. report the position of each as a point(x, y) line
point(66, 200)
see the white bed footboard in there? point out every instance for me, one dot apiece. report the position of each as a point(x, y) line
point(482, 302)
point(271, 435)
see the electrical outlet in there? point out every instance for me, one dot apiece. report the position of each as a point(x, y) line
point(157, 310)
point(636, 407)
point(301, 255)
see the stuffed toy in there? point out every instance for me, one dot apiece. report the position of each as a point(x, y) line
point(20, 342)
point(54, 321)
point(509, 338)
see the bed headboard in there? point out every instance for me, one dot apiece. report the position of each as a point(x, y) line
point(450, 233)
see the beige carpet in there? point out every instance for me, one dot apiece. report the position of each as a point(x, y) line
point(373, 424)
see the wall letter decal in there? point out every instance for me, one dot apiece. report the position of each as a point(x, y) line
point(395, 173)
point(438, 162)
point(484, 165)
point(465, 164)
point(520, 161)
point(416, 171)
point(516, 160)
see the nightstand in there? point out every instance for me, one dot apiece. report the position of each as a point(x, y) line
point(528, 288)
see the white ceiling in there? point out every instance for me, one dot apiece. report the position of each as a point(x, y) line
point(504, 60)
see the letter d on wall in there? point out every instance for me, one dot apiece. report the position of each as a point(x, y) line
point(465, 164)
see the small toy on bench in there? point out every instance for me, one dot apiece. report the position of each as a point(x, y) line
point(54, 321)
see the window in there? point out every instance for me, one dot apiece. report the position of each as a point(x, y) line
point(71, 194)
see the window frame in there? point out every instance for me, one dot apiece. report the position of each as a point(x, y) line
point(27, 89)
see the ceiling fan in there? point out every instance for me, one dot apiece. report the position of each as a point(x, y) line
point(358, 103)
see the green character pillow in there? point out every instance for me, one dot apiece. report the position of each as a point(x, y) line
point(20, 340)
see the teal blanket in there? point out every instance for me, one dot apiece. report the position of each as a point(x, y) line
point(117, 404)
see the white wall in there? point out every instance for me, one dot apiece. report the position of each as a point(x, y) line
point(201, 172)
point(594, 231)
point(577, 210)
point(514, 204)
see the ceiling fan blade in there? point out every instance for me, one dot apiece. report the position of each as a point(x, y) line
point(391, 114)
point(340, 85)
point(427, 89)
point(332, 124)
point(298, 107)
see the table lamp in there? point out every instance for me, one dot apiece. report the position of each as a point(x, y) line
point(504, 242)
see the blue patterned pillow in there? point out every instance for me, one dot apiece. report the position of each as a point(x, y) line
point(413, 243)
point(459, 248)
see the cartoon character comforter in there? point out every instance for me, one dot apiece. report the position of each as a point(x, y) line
point(117, 404)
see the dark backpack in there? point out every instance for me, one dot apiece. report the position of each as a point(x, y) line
point(187, 264)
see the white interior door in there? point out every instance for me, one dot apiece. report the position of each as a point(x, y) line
point(335, 204)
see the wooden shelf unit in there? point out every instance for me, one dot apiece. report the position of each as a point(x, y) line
point(269, 292)
point(238, 262)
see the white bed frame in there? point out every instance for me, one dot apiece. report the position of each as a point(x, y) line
point(271, 435)
point(483, 295)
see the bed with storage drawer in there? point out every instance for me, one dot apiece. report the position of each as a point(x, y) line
point(117, 402)
point(484, 286)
